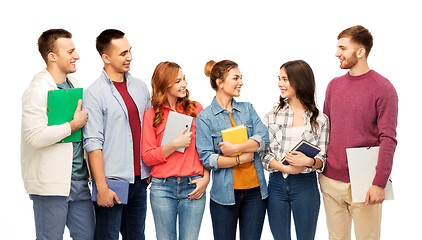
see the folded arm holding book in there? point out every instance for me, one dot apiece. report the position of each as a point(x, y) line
point(36, 131)
point(247, 148)
point(297, 163)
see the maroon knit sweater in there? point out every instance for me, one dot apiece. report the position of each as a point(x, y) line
point(363, 113)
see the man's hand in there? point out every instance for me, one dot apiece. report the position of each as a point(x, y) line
point(148, 180)
point(375, 195)
point(80, 117)
point(106, 196)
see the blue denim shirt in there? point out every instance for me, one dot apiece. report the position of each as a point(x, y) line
point(209, 124)
point(108, 126)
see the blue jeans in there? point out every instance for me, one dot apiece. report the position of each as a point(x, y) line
point(299, 194)
point(128, 219)
point(75, 211)
point(249, 209)
point(169, 200)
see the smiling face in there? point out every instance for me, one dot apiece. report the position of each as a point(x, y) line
point(232, 84)
point(118, 56)
point(287, 91)
point(178, 90)
point(347, 53)
point(65, 55)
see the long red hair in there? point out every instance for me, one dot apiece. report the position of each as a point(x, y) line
point(164, 77)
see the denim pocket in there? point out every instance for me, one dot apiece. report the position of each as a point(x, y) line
point(216, 139)
point(249, 128)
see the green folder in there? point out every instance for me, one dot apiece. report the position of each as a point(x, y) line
point(61, 106)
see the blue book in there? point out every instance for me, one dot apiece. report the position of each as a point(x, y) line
point(120, 187)
point(306, 148)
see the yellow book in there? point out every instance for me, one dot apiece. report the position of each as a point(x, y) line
point(235, 135)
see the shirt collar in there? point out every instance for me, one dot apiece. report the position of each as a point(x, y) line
point(216, 108)
point(105, 76)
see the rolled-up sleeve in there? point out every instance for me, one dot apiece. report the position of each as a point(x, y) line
point(204, 143)
point(260, 132)
point(324, 140)
point(93, 129)
point(266, 154)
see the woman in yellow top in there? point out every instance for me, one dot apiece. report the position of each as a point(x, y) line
point(239, 189)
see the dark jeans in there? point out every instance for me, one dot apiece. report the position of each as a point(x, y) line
point(249, 210)
point(128, 219)
point(299, 194)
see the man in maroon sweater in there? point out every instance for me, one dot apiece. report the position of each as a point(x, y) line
point(362, 106)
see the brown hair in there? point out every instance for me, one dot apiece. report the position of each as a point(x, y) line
point(105, 37)
point(164, 77)
point(218, 70)
point(47, 41)
point(360, 35)
point(301, 78)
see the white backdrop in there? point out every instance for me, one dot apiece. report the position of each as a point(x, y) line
point(259, 36)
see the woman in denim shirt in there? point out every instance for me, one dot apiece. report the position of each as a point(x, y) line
point(239, 189)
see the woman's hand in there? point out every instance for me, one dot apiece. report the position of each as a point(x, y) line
point(299, 159)
point(228, 148)
point(182, 139)
point(246, 157)
point(201, 186)
point(274, 164)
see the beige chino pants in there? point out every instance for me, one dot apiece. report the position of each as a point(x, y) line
point(340, 210)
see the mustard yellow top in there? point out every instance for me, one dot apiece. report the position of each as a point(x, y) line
point(244, 176)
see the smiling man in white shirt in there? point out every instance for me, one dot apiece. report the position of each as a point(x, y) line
point(55, 174)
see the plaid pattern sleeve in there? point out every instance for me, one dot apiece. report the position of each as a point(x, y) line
point(277, 124)
point(324, 139)
point(266, 154)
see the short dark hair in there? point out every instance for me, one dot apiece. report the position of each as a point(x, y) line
point(360, 35)
point(47, 41)
point(104, 39)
